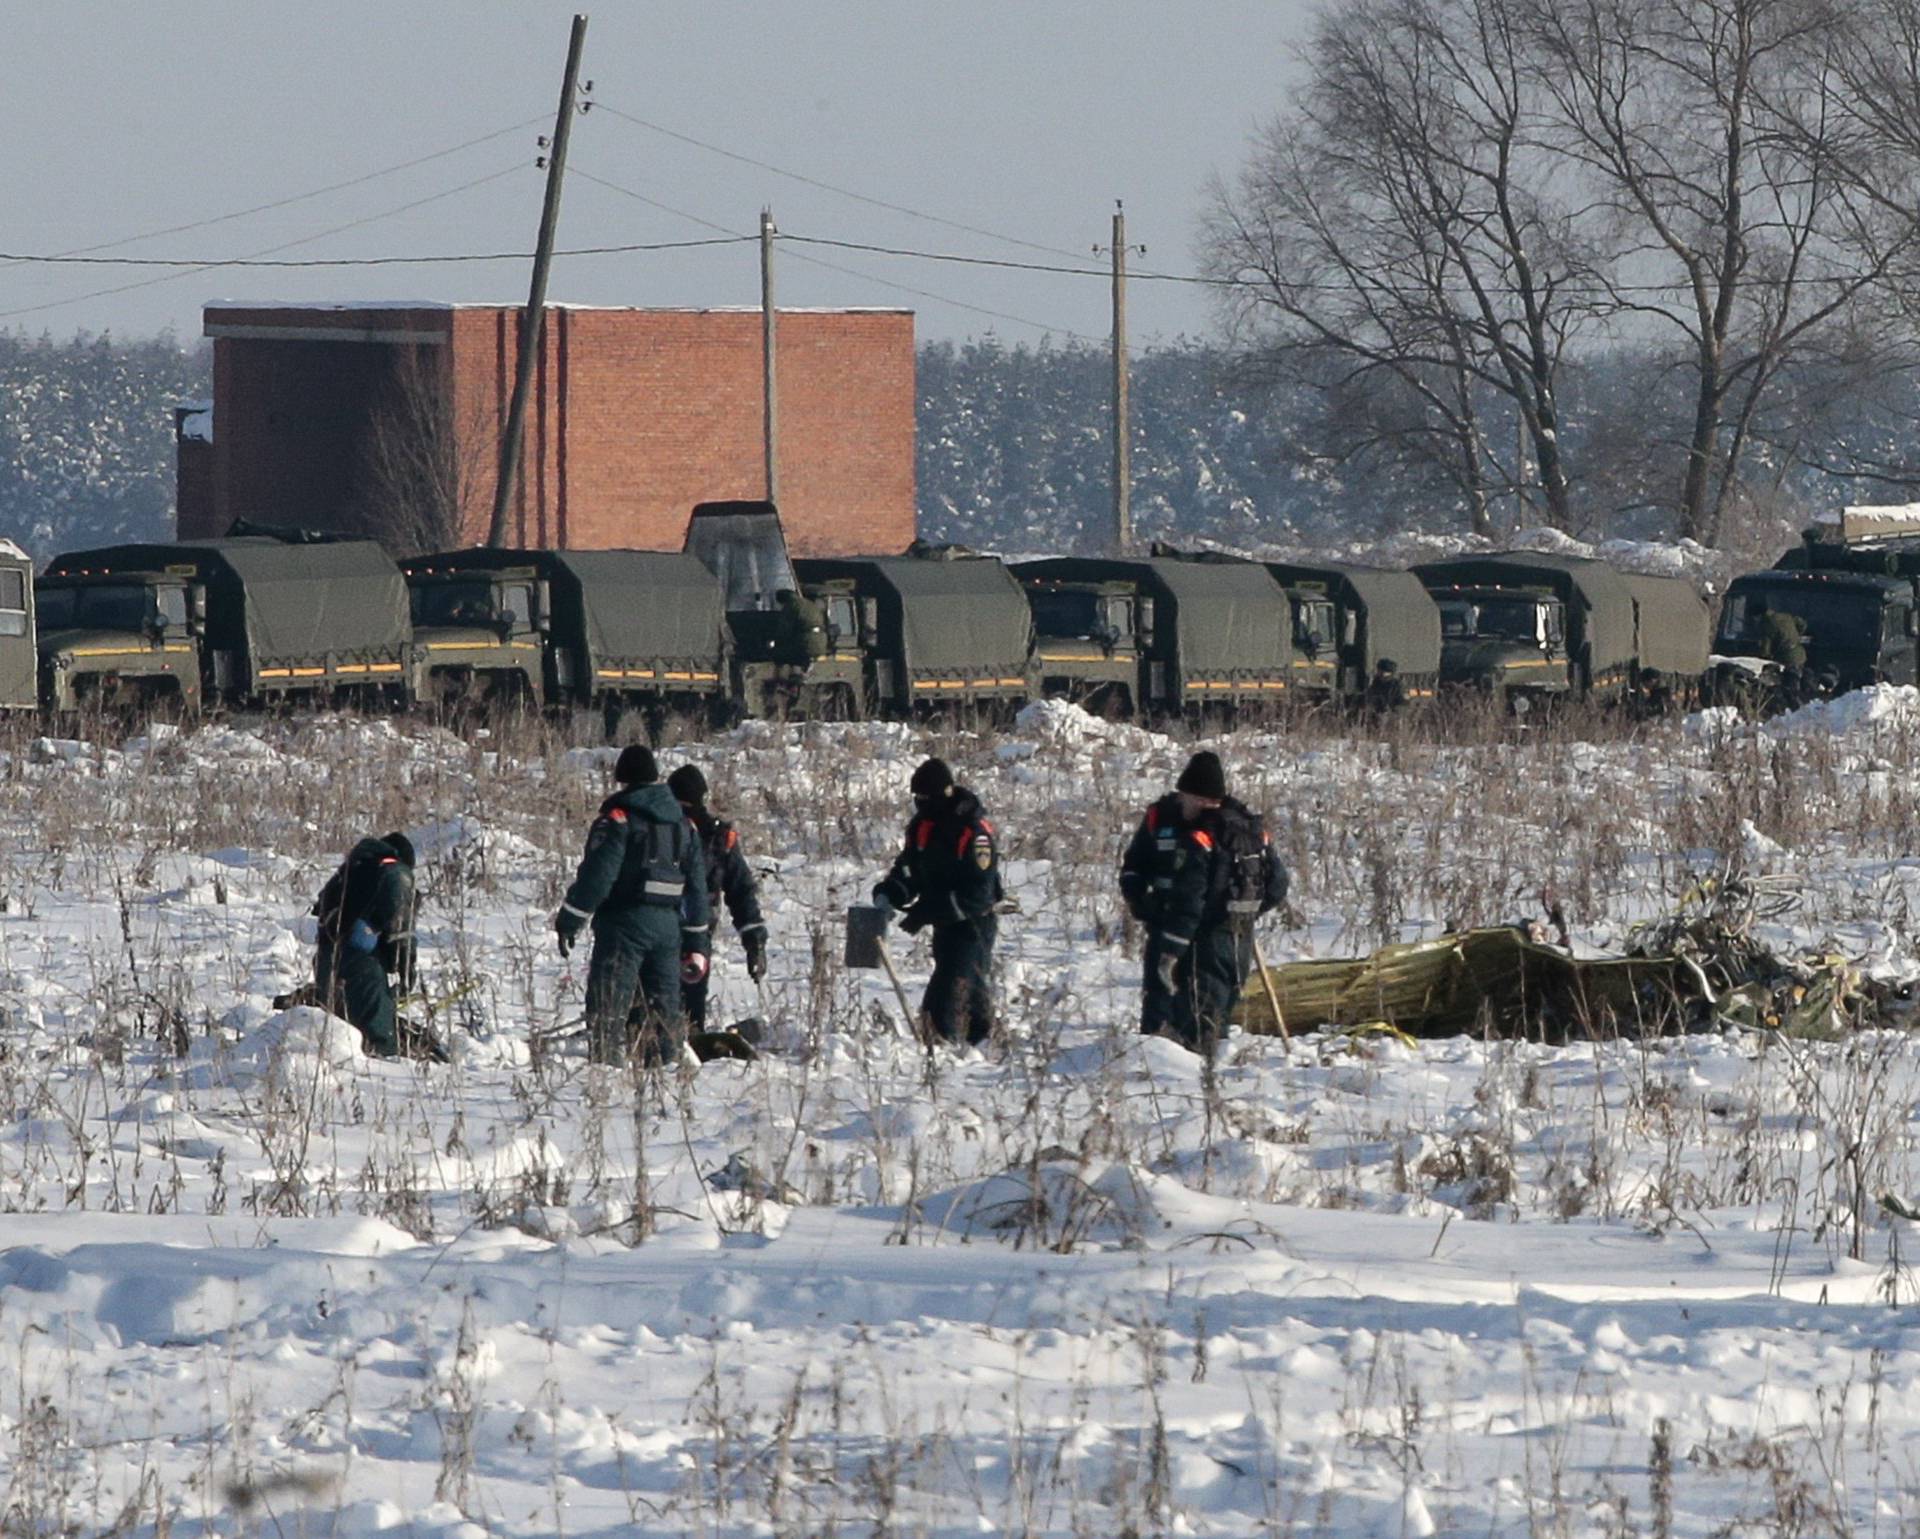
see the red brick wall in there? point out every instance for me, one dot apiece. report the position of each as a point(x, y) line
point(636, 415)
point(192, 483)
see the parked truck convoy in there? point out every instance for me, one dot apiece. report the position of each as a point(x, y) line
point(732, 625)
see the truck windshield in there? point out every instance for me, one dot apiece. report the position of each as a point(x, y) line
point(1829, 617)
point(1500, 619)
point(747, 552)
point(105, 607)
point(455, 603)
point(1066, 613)
point(1313, 624)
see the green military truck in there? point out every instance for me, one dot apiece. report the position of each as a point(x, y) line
point(1349, 621)
point(246, 620)
point(616, 628)
point(479, 634)
point(935, 629)
point(1526, 627)
point(1851, 597)
point(777, 670)
point(1160, 635)
point(19, 654)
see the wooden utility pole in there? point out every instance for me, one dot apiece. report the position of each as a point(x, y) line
point(769, 379)
point(1122, 426)
point(533, 322)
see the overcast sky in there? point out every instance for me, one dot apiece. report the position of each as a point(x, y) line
point(1022, 119)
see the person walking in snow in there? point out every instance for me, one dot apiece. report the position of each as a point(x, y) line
point(1198, 872)
point(643, 884)
point(728, 876)
point(947, 877)
point(365, 934)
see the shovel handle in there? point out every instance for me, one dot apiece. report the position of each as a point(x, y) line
point(1273, 995)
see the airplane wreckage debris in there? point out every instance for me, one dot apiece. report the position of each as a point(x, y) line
point(1700, 967)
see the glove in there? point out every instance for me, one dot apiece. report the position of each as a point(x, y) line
point(755, 942)
point(693, 968)
point(882, 902)
point(1163, 967)
point(566, 925)
point(913, 923)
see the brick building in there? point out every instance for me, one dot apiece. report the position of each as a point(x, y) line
point(326, 413)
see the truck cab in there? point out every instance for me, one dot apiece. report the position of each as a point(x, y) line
point(478, 635)
point(1089, 640)
point(1318, 629)
point(1855, 628)
point(1508, 642)
point(120, 639)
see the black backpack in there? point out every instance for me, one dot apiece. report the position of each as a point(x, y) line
point(1237, 889)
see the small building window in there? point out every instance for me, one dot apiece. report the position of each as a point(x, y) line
point(13, 602)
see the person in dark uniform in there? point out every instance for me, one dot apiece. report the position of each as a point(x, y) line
point(366, 933)
point(1384, 693)
point(1199, 871)
point(728, 876)
point(800, 637)
point(643, 883)
point(947, 876)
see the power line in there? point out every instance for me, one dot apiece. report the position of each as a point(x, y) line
point(901, 288)
point(844, 192)
point(181, 270)
point(443, 259)
point(298, 197)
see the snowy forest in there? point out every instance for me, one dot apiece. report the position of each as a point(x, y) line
point(1015, 448)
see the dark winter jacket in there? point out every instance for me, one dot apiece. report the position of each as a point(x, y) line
point(728, 874)
point(1179, 877)
point(643, 853)
point(948, 869)
point(367, 905)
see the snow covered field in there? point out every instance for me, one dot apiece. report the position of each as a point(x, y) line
point(253, 1282)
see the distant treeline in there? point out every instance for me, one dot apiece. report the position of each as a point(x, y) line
point(1015, 449)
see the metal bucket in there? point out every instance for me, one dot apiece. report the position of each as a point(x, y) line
point(866, 932)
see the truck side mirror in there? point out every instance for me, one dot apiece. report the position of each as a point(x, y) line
point(1349, 629)
point(869, 621)
point(1146, 622)
point(197, 607)
point(1913, 622)
point(542, 606)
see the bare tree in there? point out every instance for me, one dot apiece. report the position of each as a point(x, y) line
point(421, 478)
point(1748, 209)
point(1405, 221)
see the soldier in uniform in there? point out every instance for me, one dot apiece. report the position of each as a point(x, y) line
point(947, 876)
point(801, 636)
point(643, 883)
point(365, 933)
point(728, 876)
point(1198, 872)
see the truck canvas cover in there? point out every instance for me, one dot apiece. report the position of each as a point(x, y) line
point(19, 656)
point(1599, 593)
point(1673, 623)
point(1402, 620)
point(283, 603)
point(962, 616)
point(627, 607)
point(1230, 616)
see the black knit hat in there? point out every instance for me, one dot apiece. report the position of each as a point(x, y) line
point(1203, 776)
point(401, 845)
point(636, 766)
point(932, 779)
point(688, 785)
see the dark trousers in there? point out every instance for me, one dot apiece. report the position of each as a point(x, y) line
point(958, 1005)
point(633, 986)
point(693, 1003)
point(354, 984)
point(1207, 982)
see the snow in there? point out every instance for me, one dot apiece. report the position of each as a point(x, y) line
point(1079, 1285)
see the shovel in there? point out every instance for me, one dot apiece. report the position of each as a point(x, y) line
point(1273, 996)
point(867, 948)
